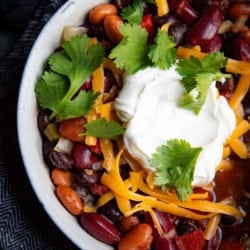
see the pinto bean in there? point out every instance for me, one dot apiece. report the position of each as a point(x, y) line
point(127, 223)
point(238, 9)
point(138, 238)
point(70, 199)
point(111, 26)
point(98, 13)
point(62, 177)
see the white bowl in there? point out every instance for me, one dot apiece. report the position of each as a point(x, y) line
point(73, 13)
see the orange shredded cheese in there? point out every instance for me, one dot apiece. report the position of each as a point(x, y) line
point(240, 130)
point(212, 226)
point(240, 91)
point(162, 7)
point(107, 150)
point(240, 148)
point(91, 140)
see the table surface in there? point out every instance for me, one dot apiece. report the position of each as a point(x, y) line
point(23, 222)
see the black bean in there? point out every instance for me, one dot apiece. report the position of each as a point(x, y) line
point(85, 194)
point(89, 178)
point(111, 211)
point(185, 227)
point(43, 119)
point(47, 149)
point(121, 3)
point(228, 219)
point(61, 160)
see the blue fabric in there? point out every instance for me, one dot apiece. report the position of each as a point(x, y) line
point(23, 222)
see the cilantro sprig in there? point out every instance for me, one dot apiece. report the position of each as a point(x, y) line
point(197, 76)
point(175, 163)
point(134, 53)
point(133, 13)
point(58, 89)
point(102, 128)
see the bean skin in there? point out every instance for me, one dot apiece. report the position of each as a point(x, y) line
point(111, 26)
point(100, 228)
point(62, 177)
point(70, 199)
point(139, 238)
point(127, 223)
point(98, 13)
point(237, 9)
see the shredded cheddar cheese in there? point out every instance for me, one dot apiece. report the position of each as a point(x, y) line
point(162, 7)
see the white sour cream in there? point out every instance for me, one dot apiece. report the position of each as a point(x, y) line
point(148, 103)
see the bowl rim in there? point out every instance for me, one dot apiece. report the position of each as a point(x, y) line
point(28, 136)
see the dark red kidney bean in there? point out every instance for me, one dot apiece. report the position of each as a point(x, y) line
point(241, 50)
point(109, 80)
point(43, 119)
point(85, 194)
point(164, 243)
point(61, 160)
point(83, 157)
point(111, 211)
point(207, 27)
point(88, 177)
point(87, 85)
point(214, 243)
point(184, 10)
point(164, 220)
point(213, 45)
point(100, 228)
point(96, 148)
point(99, 189)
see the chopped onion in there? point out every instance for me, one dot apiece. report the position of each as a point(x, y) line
point(70, 31)
point(63, 145)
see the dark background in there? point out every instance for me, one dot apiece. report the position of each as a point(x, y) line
point(23, 222)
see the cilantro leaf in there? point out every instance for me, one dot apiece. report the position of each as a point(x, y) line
point(131, 54)
point(104, 129)
point(175, 164)
point(198, 75)
point(133, 13)
point(58, 89)
point(163, 52)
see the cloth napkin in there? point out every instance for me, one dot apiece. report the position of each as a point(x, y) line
point(23, 222)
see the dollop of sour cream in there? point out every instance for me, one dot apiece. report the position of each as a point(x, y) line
point(148, 103)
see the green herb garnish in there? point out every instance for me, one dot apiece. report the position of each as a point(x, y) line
point(104, 129)
point(197, 76)
point(175, 164)
point(59, 87)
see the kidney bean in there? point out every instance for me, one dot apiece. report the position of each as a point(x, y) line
point(62, 177)
point(99, 189)
point(164, 220)
point(207, 27)
point(139, 237)
point(109, 80)
point(164, 243)
point(88, 177)
point(97, 14)
point(127, 223)
point(212, 45)
point(87, 85)
point(70, 199)
point(83, 157)
point(100, 228)
point(245, 35)
point(184, 10)
point(214, 243)
point(61, 160)
point(111, 211)
point(112, 25)
point(73, 128)
point(237, 9)
point(240, 49)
